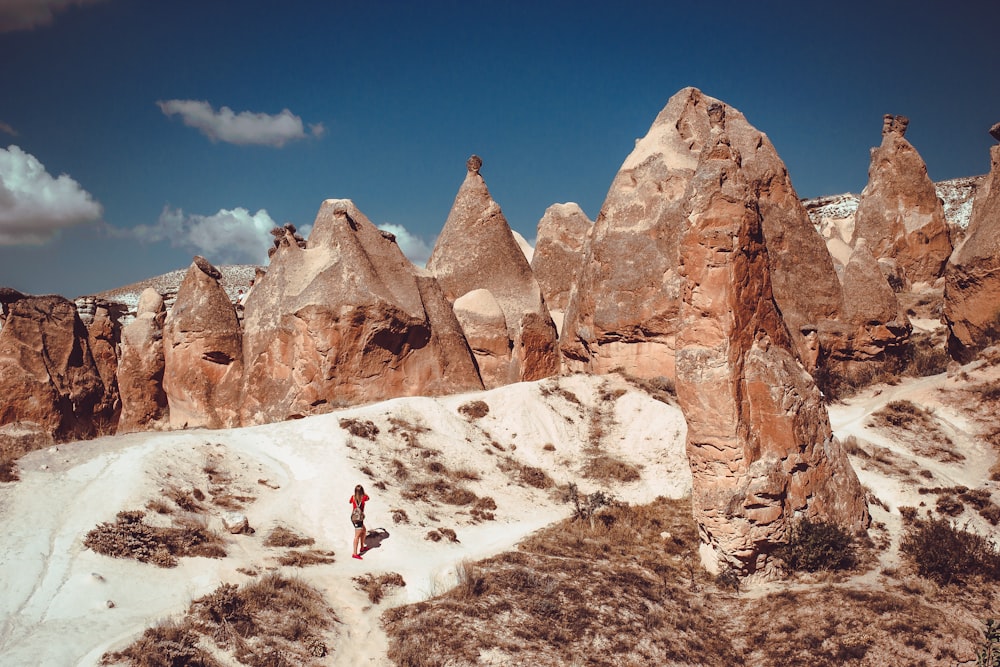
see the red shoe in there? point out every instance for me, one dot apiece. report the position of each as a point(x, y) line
point(357, 556)
point(363, 549)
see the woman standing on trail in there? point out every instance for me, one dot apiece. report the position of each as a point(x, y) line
point(358, 519)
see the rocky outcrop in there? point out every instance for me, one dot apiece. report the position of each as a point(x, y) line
point(485, 328)
point(47, 371)
point(104, 335)
point(624, 308)
point(476, 250)
point(972, 278)
point(202, 353)
point(899, 212)
point(759, 441)
point(347, 319)
point(141, 367)
point(558, 254)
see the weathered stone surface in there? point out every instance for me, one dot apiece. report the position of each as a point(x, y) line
point(759, 439)
point(897, 124)
point(995, 131)
point(485, 328)
point(202, 353)
point(104, 334)
point(47, 371)
point(476, 250)
point(900, 214)
point(140, 369)
point(347, 319)
point(972, 278)
point(558, 254)
point(623, 310)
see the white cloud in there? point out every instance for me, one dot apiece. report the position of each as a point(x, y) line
point(228, 237)
point(28, 14)
point(415, 248)
point(33, 205)
point(7, 129)
point(243, 128)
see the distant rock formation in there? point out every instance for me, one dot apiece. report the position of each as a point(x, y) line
point(104, 334)
point(623, 311)
point(346, 319)
point(141, 367)
point(899, 212)
point(47, 370)
point(759, 440)
point(476, 250)
point(972, 279)
point(558, 254)
point(203, 353)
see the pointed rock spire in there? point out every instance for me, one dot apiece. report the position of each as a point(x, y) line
point(141, 367)
point(558, 256)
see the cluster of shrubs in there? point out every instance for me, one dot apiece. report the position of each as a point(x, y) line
point(130, 537)
point(818, 545)
point(946, 554)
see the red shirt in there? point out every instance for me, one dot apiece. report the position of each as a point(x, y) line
point(363, 501)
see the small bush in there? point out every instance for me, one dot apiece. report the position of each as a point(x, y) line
point(400, 516)
point(129, 537)
point(818, 545)
point(306, 557)
point(286, 537)
point(170, 644)
point(374, 586)
point(988, 654)
point(609, 469)
point(900, 413)
point(944, 553)
point(360, 428)
point(526, 474)
point(474, 409)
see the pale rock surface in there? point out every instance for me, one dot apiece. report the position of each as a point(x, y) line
point(899, 212)
point(202, 353)
point(759, 441)
point(558, 255)
point(623, 311)
point(347, 319)
point(972, 278)
point(476, 250)
point(140, 369)
point(485, 328)
point(47, 371)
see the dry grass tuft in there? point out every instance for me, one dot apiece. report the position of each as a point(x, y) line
point(130, 537)
point(16, 440)
point(525, 474)
point(306, 557)
point(374, 586)
point(360, 428)
point(286, 537)
point(474, 410)
point(925, 435)
point(610, 469)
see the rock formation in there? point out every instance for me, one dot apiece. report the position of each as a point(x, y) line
point(140, 369)
point(759, 440)
point(104, 335)
point(47, 371)
point(559, 253)
point(476, 250)
point(347, 319)
point(485, 328)
point(202, 353)
point(623, 312)
point(972, 279)
point(899, 212)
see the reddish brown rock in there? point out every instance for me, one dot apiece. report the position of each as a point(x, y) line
point(104, 335)
point(559, 252)
point(202, 353)
point(899, 212)
point(140, 370)
point(972, 278)
point(47, 371)
point(759, 440)
point(476, 250)
point(347, 319)
point(623, 312)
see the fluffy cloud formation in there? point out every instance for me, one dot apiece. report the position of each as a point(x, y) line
point(28, 14)
point(33, 205)
point(228, 237)
point(415, 248)
point(243, 128)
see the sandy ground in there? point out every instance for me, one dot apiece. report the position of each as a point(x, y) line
point(62, 604)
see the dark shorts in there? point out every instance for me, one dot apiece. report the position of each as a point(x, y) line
point(358, 524)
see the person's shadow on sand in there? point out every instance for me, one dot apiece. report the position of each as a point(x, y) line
point(374, 538)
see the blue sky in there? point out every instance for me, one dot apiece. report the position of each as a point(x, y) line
point(180, 122)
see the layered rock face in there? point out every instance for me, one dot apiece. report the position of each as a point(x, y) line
point(347, 319)
point(972, 279)
point(202, 351)
point(899, 212)
point(558, 254)
point(759, 439)
point(623, 311)
point(47, 371)
point(141, 367)
point(104, 334)
point(477, 251)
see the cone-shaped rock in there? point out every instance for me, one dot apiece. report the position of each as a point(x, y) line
point(47, 371)
point(476, 250)
point(972, 285)
point(202, 353)
point(759, 439)
point(140, 370)
point(899, 212)
point(623, 310)
point(559, 252)
point(345, 320)
point(485, 329)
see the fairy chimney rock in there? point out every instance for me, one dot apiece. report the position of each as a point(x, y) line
point(560, 238)
point(477, 250)
point(141, 367)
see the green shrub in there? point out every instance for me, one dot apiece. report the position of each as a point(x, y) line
point(988, 654)
point(818, 545)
